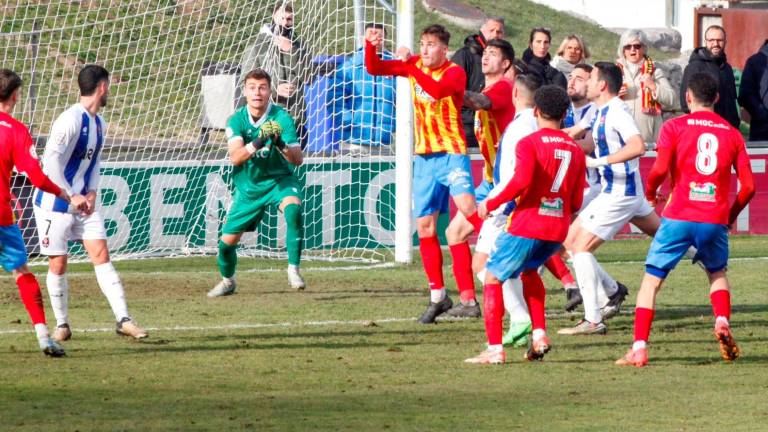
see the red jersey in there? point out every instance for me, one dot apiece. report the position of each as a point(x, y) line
point(548, 183)
point(16, 149)
point(438, 95)
point(698, 150)
point(491, 124)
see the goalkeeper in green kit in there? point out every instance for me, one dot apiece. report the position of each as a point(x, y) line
point(262, 145)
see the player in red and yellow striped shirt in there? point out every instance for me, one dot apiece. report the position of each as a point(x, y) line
point(441, 166)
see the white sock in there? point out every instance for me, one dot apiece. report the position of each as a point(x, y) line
point(638, 345)
point(293, 267)
point(606, 285)
point(691, 252)
point(481, 276)
point(514, 302)
point(228, 281)
point(58, 292)
point(110, 285)
point(436, 295)
point(41, 330)
point(722, 319)
point(584, 265)
point(537, 334)
point(496, 348)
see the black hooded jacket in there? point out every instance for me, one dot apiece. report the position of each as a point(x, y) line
point(753, 93)
point(541, 68)
point(470, 58)
point(702, 61)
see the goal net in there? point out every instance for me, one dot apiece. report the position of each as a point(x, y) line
point(176, 67)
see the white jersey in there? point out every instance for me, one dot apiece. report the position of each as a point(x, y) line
point(612, 125)
point(576, 116)
point(521, 126)
point(71, 157)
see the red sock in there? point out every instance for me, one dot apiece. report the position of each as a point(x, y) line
point(476, 222)
point(557, 267)
point(29, 290)
point(462, 270)
point(493, 311)
point(432, 259)
point(643, 320)
point(721, 303)
point(534, 294)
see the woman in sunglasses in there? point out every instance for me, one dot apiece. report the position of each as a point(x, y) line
point(646, 89)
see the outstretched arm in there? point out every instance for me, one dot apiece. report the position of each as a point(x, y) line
point(376, 66)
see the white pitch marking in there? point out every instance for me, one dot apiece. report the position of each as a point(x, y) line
point(241, 326)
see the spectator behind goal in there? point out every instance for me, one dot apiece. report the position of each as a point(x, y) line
point(363, 105)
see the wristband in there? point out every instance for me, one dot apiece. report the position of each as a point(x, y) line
point(250, 148)
point(598, 162)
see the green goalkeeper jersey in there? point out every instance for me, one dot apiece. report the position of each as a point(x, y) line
point(267, 163)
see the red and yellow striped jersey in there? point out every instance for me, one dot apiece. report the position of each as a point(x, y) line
point(437, 122)
point(490, 124)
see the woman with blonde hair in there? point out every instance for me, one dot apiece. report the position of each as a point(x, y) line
point(646, 89)
point(572, 51)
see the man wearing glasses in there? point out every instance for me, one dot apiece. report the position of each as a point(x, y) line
point(711, 60)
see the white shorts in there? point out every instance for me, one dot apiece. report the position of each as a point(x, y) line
point(492, 227)
point(590, 193)
point(607, 214)
point(55, 230)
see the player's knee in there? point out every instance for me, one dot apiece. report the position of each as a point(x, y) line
point(226, 248)
point(478, 263)
point(292, 214)
point(57, 265)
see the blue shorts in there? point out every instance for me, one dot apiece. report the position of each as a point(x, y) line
point(434, 177)
point(13, 253)
point(482, 191)
point(673, 239)
point(513, 255)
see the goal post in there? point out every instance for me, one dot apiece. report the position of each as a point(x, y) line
point(176, 68)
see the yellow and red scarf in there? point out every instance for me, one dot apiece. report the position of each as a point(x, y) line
point(650, 105)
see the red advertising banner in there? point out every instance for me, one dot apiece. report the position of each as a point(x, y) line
point(754, 218)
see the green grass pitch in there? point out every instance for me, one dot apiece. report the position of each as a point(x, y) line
point(345, 355)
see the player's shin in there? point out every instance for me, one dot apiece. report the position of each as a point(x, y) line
point(112, 288)
point(584, 264)
point(227, 259)
point(58, 292)
point(721, 304)
point(557, 267)
point(534, 293)
point(29, 291)
point(432, 259)
point(294, 233)
point(462, 271)
point(493, 311)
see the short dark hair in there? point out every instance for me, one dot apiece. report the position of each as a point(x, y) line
point(611, 74)
point(530, 82)
point(704, 88)
point(282, 5)
point(535, 30)
point(372, 25)
point(10, 81)
point(552, 102)
point(90, 77)
point(520, 66)
point(715, 27)
point(439, 31)
point(585, 67)
point(506, 48)
point(258, 74)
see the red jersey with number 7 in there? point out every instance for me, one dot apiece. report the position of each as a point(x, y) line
point(548, 184)
point(702, 149)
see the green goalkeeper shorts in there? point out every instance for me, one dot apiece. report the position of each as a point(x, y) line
point(245, 213)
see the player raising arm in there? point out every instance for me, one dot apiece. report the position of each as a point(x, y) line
point(441, 166)
point(17, 150)
point(72, 159)
point(548, 185)
point(263, 145)
point(698, 151)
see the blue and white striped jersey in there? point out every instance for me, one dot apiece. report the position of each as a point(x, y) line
point(71, 157)
point(574, 117)
point(612, 125)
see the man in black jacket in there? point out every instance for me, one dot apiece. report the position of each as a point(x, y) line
point(753, 93)
point(470, 58)
point(711, 60)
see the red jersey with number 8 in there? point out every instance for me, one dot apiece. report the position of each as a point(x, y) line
point(703, 147)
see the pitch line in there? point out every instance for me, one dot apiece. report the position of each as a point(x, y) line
point(246, 326)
